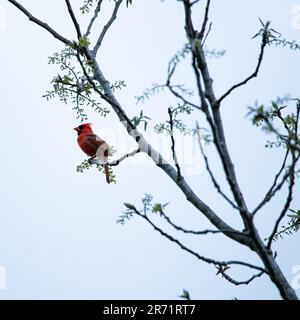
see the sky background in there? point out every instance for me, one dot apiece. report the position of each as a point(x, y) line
point(58, 233)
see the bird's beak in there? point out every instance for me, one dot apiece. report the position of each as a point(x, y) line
point(76, 129)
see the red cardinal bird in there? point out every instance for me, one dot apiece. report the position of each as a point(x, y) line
point(93, 145)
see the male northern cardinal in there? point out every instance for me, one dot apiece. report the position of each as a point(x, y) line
point(93, 145)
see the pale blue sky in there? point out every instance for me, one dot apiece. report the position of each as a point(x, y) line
point(58, 233)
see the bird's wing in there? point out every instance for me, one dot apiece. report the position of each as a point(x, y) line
point(92, 139)
point(94, 145)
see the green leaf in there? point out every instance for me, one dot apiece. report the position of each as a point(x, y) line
point(129, 206)
point(84, 42)
point(157, 208)
point(86, 7)
point(185, 295)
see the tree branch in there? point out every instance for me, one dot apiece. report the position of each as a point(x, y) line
point(41, 23)
point(207, 33)
point(215, 183)
point(194, 2)
point(114, 163)
point(287, 203)
point(75, 22)
point(171, 70)
point(253, 75)
point(217, 143)
point(117, 162)
point(202, 232)
point(96, 12)
point(218, 131)
point(271, 192)
point(238, 283)
point(205, 20)
point(173, 144)
point(107, 26)
point(198, 256)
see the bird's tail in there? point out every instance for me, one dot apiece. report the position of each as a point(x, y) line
point(106, 171)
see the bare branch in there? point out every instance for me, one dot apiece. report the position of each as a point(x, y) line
point(41, 23)
point(107, 26)
point(291, 148)
point(207, 33)
point(205, 109)
point(217, 126)
point(189, 28)
point(198, 256)
point(75, 22)
point(114, 163)
point(157, 88)
point(193, 232)
point(205, 20)
point(238, 283)
point(253, 75)
point(96, 12)
point(288, 200)
point(173, 144)
point(216, 185)
point(194, 2)
point(171, 70)
point(271, 192)
point(179, 96)
point(130, 154)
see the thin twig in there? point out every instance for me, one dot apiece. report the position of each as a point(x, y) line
point(171, 70)
point(130, 154)
point(217, 128)
point(206, 36)
point(205, 20)
point(96, 12)
point(194, 232)
point(173, 144)
point(115, 163)
point(215, 183)
point(270, 192)
point(179, 96)
point(194, 2)
point(295, 159)
point(200, 257)
point(205, 109)
point(41, 23)
point(253, 75)
point(75, 22)
point(287, 203)
point(238, 283)
point(107, 26)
